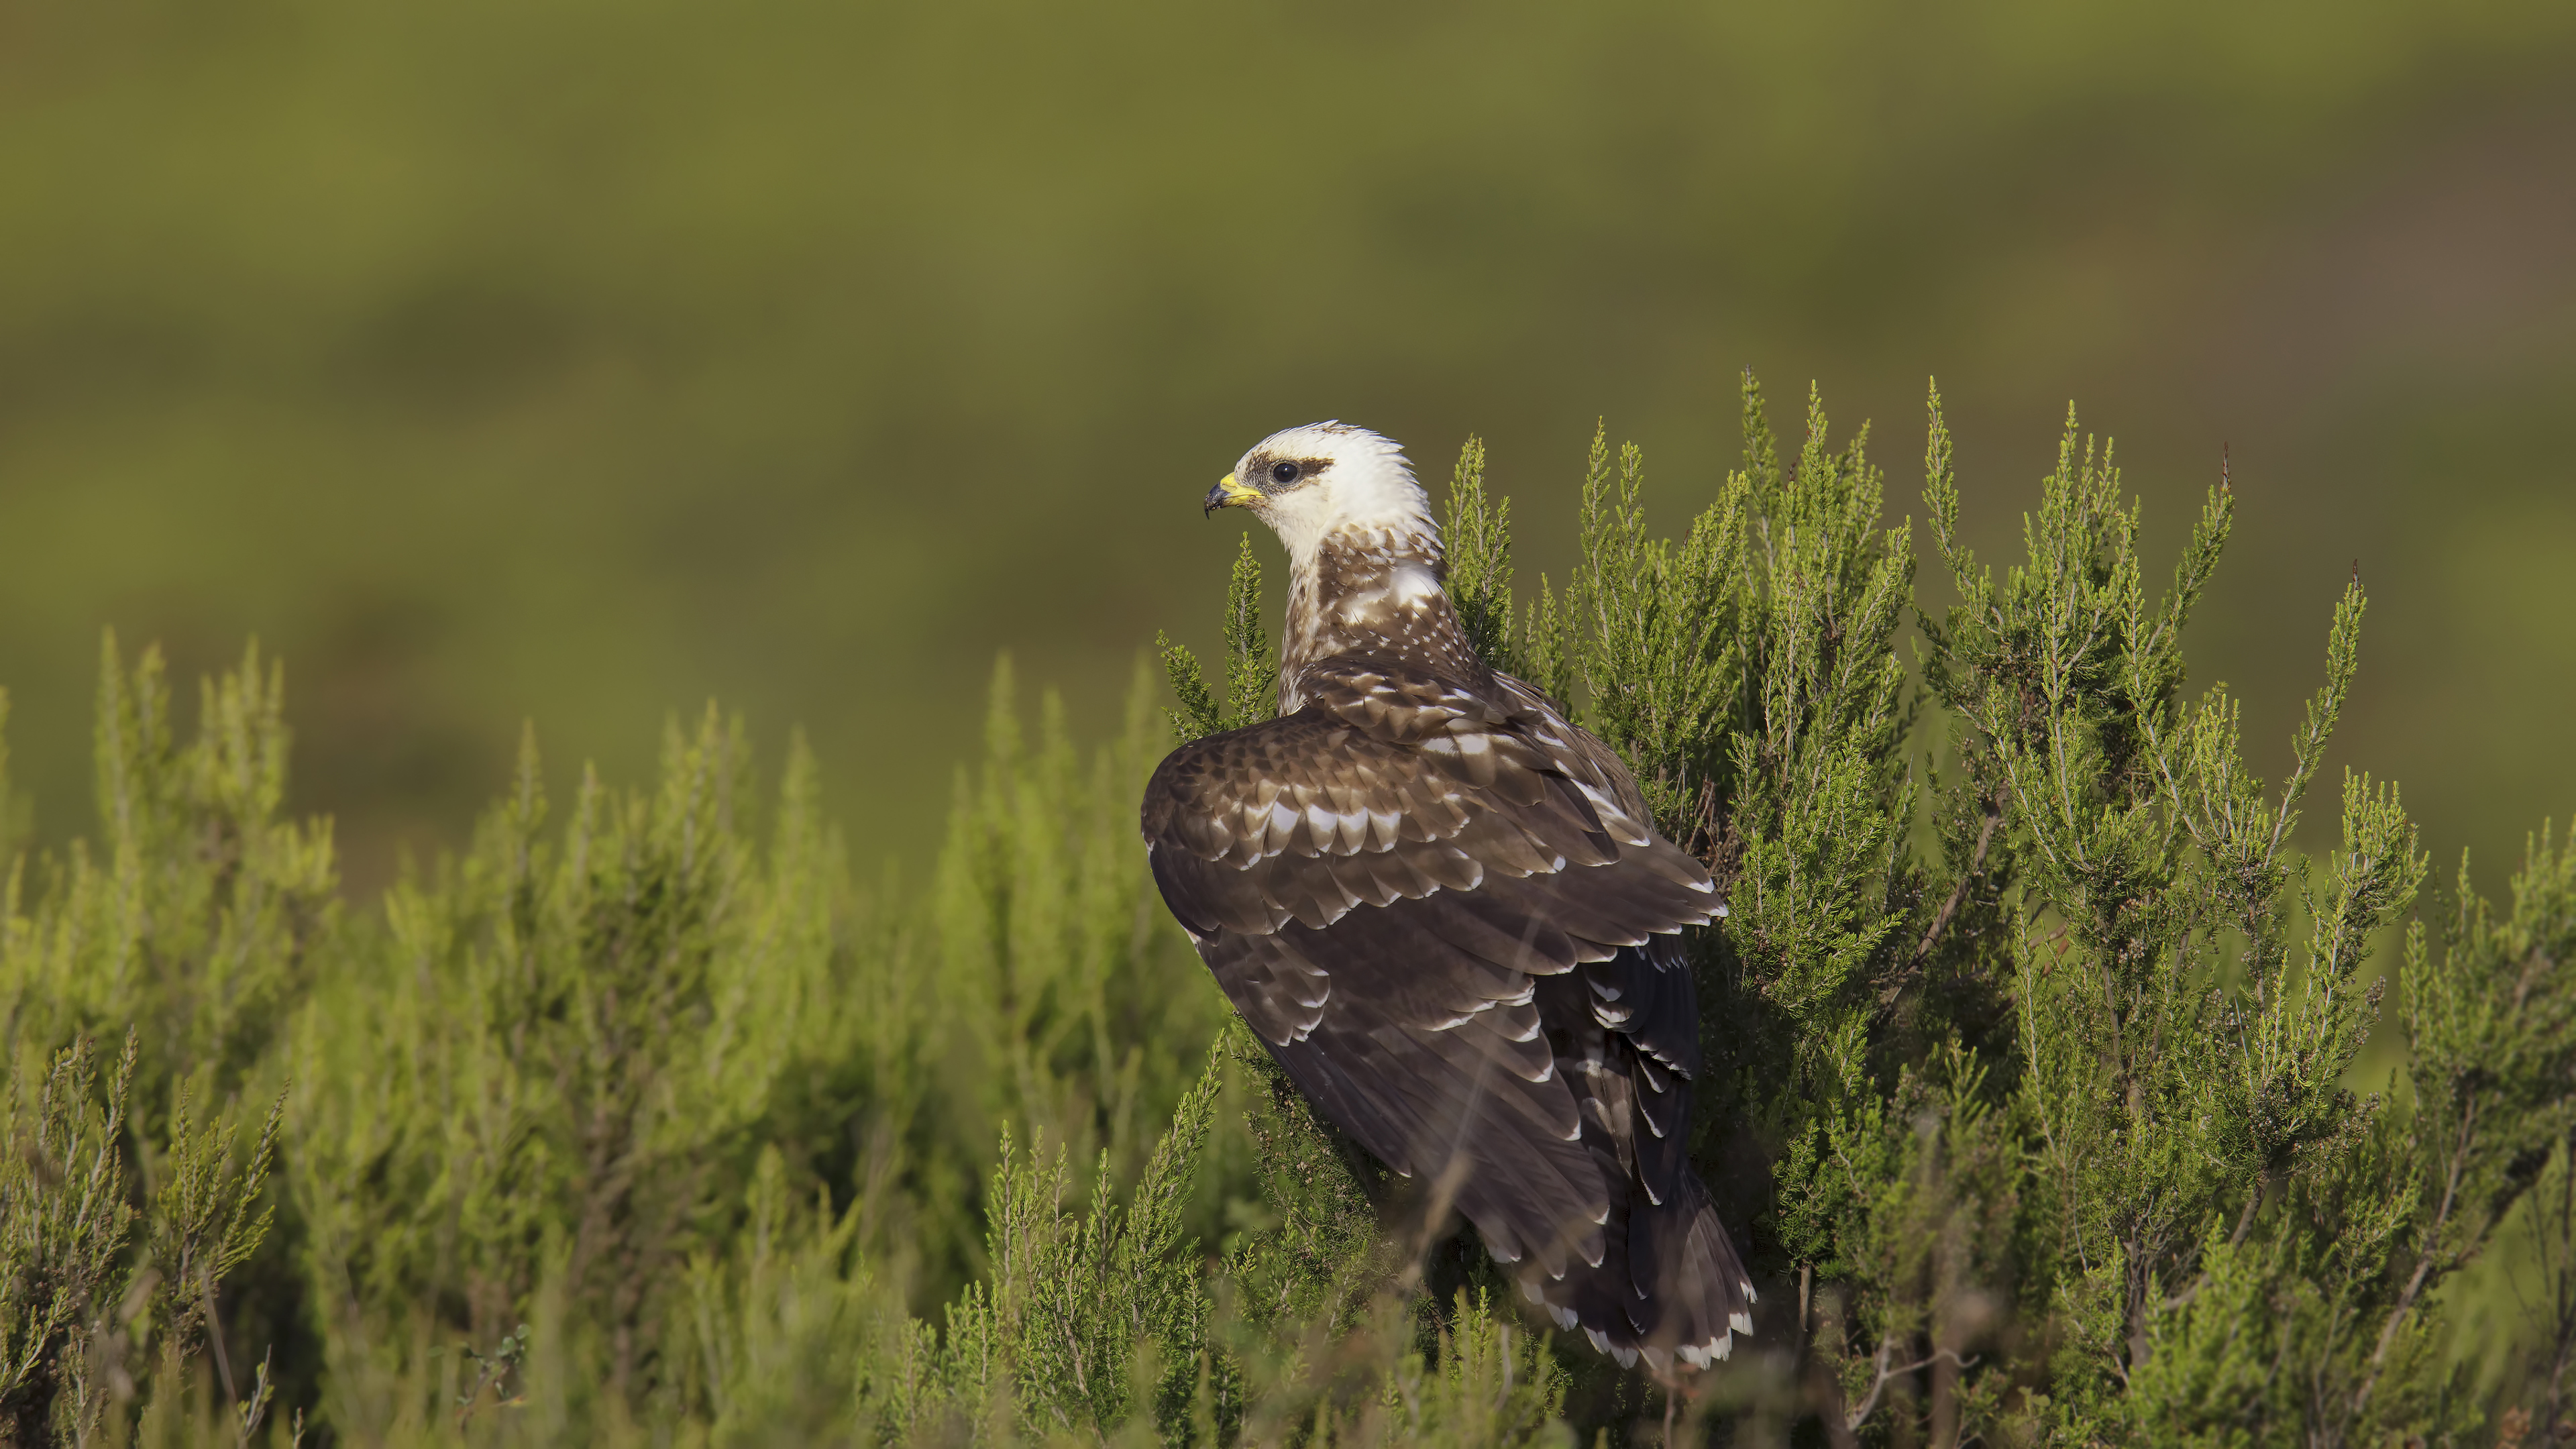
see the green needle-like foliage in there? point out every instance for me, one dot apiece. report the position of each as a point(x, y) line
point(2032, 1096)
point(1478, 533)
point(1251, 692)
point(64, 1223)
point(1088, 1315)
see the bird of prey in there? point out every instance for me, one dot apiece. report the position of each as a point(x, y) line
point(1446, 912)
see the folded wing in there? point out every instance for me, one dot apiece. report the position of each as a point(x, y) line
point(1445, 911)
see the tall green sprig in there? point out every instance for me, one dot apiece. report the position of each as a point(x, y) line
point(1657, 660)
point(1478, 536)
point(1251, 664)
point(1539, 645)
point(1092, 1318)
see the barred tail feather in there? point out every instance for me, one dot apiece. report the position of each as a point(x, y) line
point(1669, 1289)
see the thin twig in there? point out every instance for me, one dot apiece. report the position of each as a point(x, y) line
point(215, 1334)
point(2424, 1262)
point(1887, 1374)
point(1949, 908)
point(2245, 1219)
point(2244, 1223)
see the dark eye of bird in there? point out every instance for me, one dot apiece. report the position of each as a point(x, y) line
point(1283, 472)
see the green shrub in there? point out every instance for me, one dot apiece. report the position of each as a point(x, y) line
point(2032, 1038)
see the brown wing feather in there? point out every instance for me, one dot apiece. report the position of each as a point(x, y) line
point(1387, 786)
point(1445, 911)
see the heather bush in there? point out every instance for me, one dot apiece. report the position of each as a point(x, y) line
point(650, 1117)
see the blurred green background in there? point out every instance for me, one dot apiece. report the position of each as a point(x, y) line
point(578, 361)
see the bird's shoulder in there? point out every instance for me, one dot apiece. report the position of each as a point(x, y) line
point(1372, 735)
point(1388, 783)
point(1489, 728)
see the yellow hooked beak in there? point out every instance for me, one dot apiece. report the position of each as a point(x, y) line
point(1230, 494)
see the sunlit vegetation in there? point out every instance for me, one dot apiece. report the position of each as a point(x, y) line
point(648, 1119)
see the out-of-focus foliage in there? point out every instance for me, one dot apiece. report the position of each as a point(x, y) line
point(2031, 1088)
point(642, 1121)
point(584, 361)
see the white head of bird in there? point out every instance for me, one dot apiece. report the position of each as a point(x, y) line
point(1365, 564)
point(1333, 481)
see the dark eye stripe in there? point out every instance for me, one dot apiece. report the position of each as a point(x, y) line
point(1282, 473)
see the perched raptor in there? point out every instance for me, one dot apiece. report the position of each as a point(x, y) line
point(1446, 912)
